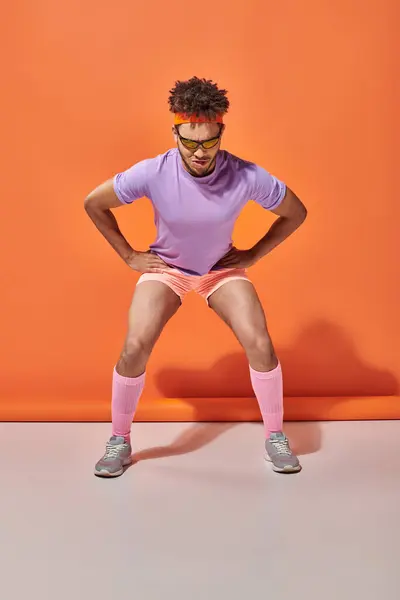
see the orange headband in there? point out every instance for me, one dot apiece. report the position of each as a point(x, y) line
point(181, 118)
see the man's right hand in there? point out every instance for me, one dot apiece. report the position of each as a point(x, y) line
point(146, 262)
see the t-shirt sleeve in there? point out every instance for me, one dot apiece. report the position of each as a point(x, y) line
point(133, 183)
point(268, 191)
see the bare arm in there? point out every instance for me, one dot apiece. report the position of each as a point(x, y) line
point(98, 205)
point(292, 213)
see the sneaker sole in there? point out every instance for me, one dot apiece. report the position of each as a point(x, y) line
point(287, 469)
point(105, 473)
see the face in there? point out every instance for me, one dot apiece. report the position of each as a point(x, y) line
point(200, 162)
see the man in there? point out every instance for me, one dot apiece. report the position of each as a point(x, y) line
point(197, 191)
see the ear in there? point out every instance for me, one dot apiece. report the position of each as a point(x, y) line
point(174, 133)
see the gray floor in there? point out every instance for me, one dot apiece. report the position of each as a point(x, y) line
point(200, 515)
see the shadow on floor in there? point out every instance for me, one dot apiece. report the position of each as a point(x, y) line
point(192, 439)
point(323, 361)
point(304, 439)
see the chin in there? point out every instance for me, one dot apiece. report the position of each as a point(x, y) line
point(201, 168)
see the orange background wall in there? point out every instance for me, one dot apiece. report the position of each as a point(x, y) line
point(314, 100)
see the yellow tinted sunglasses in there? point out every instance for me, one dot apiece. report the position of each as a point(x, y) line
point(193, 145)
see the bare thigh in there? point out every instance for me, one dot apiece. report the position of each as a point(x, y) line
point(238, 305)
point(153, 305)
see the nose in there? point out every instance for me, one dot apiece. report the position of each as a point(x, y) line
point(199, 153)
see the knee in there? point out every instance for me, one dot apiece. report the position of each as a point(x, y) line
point(136, 349)
point(260, 352)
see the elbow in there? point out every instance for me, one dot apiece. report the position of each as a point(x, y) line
point(89, 202)
point(301, 212)
point(298, 216)
point(86, 202)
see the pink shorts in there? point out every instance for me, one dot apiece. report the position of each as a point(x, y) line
point(205, 285)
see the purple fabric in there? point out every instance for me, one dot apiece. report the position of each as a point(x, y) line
point(195, 217)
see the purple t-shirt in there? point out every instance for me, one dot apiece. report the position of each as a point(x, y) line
point(195, 216)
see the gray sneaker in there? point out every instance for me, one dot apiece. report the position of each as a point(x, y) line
point(118, 455)
point(278, 452)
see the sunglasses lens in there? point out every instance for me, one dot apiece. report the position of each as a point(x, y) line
point(211, 143)
point(189, 144)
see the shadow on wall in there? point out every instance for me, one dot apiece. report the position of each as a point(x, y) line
point(323, 361)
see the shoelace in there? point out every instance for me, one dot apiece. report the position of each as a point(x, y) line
point(112, 450)
point(282, 446)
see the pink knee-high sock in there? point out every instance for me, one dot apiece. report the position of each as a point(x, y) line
point(268, 388)
point(126, 392)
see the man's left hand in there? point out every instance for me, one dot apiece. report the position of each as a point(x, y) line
point(237, 259)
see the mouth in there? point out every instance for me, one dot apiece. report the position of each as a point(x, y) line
point(199, 163)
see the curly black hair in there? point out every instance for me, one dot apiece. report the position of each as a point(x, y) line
point(200, 97)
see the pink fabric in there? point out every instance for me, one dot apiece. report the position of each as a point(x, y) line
point(268, 388)
point(126, 392)
point(205, 285)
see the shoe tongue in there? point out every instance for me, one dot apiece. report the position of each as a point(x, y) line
point(115, 440)
point(277, 436)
